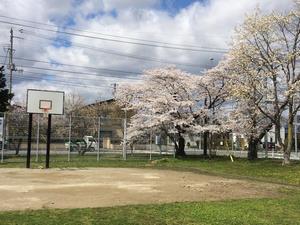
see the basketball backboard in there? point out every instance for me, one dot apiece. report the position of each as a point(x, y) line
point(45, 101)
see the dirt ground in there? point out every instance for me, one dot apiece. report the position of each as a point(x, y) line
point(79, 188)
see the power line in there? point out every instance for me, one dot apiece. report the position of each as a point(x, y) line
point(115, 40)
point(71, 65)
point(68, 76)
point(18, 77)
point(75, 72)
point(112, 52)
point(115, 36)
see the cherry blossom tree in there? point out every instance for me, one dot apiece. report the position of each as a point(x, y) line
point(246, 87)
point(266, 51)
point(164, 102)
point(174, 102)
point(211, 95)
point(253, 124)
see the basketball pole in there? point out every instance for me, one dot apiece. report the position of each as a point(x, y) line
point(150, 142)
point(3, 137)
point(37, 139)
point(29, 141)
point(70, 134)
point(125, 137)
point(98, 150)
point(48, 141)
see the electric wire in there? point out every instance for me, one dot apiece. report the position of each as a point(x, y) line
point(113, 52)
point(114, 40)
point(110, 35)
point(75, 72)
point(63, 83)
point(70, 76)
point(72, 65)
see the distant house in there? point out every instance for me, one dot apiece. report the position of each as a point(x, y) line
point(111, 117)
point(17, 108)
point(104, 109)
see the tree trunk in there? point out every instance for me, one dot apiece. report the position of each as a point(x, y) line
point(205, 142)
point(252, 149)
point(18, 146)
point(278, 138)
point(289, 141)
point(180, 150)
point(286, 158)
point(288, 148)
point(179, 147)
point(210, 145)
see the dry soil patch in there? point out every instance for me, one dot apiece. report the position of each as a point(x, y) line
point(79, 188)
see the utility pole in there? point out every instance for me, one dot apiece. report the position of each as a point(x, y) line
point(114, 90)
point(11, 64)
point(11, 68)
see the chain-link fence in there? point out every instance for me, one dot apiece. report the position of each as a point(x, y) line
point(74, 137)
point(94, 138)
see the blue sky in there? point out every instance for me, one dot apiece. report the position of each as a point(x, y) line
point(174, 6)
point(171, 6)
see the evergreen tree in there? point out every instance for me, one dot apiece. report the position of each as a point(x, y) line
point(5, 97)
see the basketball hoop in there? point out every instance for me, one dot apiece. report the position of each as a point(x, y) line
point(45, 106)
point(45, 112)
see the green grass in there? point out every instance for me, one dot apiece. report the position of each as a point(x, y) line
point(270, 211)
point(284, 211)
point(262, 169)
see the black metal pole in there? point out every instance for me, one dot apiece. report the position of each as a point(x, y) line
point(29, 141)
point(48, 141)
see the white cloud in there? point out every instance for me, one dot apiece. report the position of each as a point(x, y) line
point(207, 25)
point(125, 4)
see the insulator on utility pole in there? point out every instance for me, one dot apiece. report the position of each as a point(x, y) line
point(114, 90)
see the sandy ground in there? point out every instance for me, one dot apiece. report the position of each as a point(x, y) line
point(79, 188)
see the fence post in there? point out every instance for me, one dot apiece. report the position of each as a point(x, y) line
point(125, 138)
point(159, 143)
point(266, 145)
point(174, 149)
point(70, 133)
point(296, 141)
point(7, 131)
point(37, 138)
point(150, 144)
point(174, 152)
point(3, 137)
point(232, 144)
point(98, 150)
point(200, 142)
